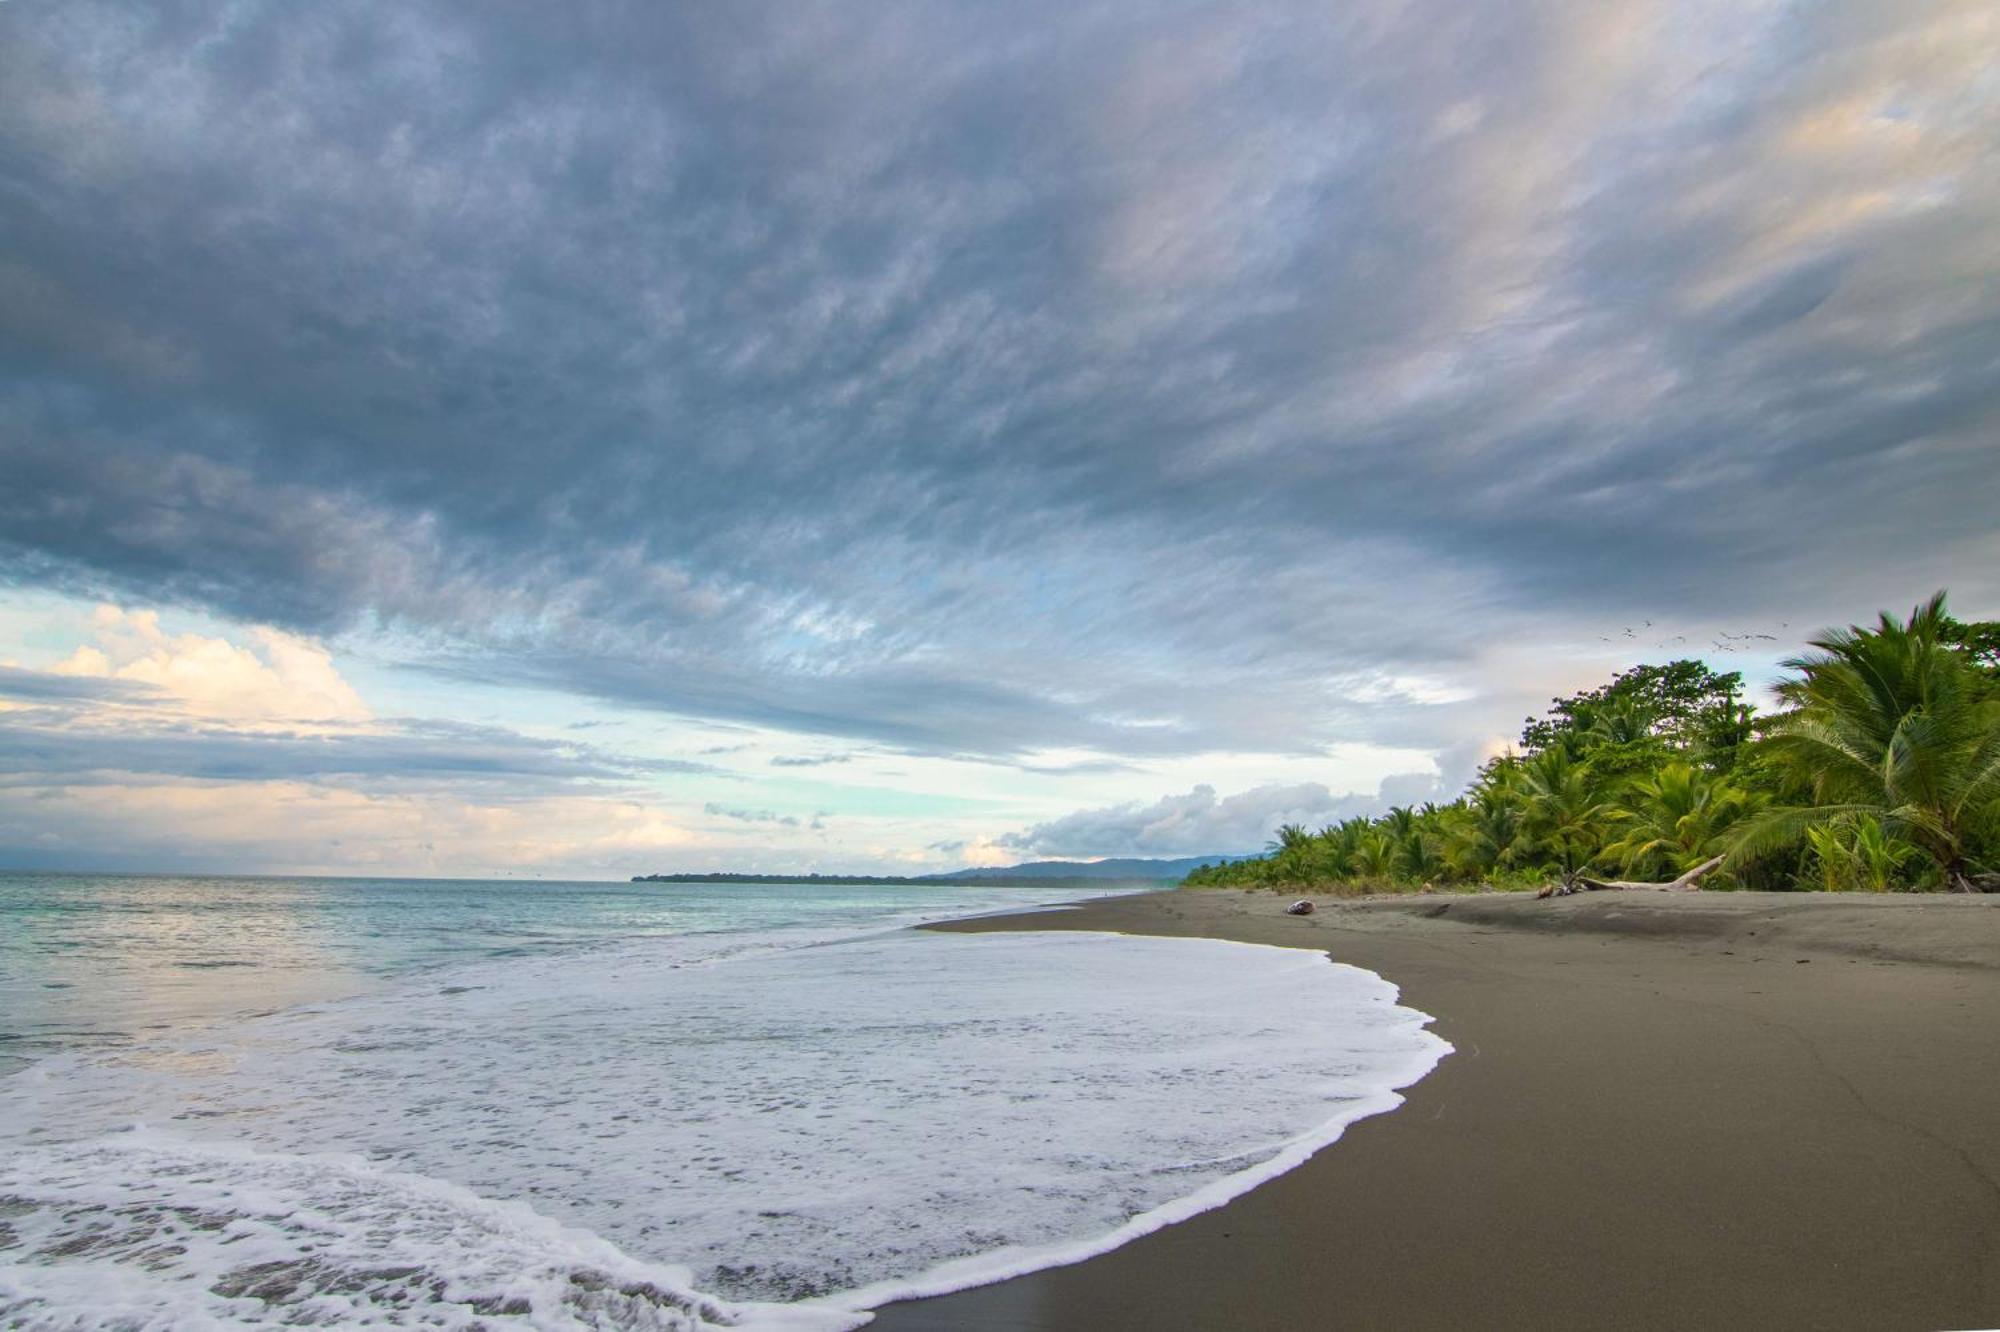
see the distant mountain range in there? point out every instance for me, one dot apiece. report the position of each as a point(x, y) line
point(1036, 872)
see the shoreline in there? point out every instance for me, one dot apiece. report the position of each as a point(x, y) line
point(1773, 1110)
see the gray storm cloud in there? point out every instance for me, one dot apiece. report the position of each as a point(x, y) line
point(976, 379)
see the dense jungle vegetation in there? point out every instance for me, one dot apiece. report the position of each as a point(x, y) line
point(1879, 772)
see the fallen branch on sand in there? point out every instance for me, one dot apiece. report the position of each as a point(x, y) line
point(1577, 883)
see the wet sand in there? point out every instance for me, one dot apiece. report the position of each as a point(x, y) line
point(1696, 1111)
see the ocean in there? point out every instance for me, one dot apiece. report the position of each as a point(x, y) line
point(286, 1102)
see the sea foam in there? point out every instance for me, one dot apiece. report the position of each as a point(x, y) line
point(618, 1142)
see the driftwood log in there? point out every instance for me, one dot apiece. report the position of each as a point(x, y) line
point(1578, 883)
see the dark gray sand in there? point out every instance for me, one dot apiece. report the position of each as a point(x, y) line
point(1696, 1111)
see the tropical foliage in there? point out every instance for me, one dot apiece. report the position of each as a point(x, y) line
point(1894, 729)
point(1879, 772)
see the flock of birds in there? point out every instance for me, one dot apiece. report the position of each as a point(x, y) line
point(1722, 640)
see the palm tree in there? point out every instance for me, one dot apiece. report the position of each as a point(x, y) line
point(1860, 856)
point(1375, 853)
point(1488, 835)
point(1337, 847)
point(1291, 853)
point(1892, 724)
point(1419, 859)
point(1566, 808)
point(1623, 721)
point(1410, 854)
point(1290, 837)
point(1677, 817)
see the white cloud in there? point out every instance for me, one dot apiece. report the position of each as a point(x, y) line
point(281, 677)
point(1423, 690)
point(1199, 822)
point(249, 749)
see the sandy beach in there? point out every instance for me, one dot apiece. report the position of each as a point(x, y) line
point(1704, 1110)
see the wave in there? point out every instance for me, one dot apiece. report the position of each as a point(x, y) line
point(795, 1131)
point(144, 1231)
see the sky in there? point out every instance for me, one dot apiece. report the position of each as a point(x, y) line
point(586, 440)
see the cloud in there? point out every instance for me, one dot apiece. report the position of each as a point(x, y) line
point(137, 702)
point(41, 749)
point(752, 815)
point(158, 751)
point(17, 682)
point(1201, 823)
point(305, 828)
point(808, 760)
point(979, 381)
point(281, 678)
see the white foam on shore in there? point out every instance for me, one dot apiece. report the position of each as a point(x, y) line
point(1019, 1260)
point(153, 1232)
point(841, 1124)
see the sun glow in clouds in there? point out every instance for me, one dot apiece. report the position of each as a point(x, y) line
point(279, 678)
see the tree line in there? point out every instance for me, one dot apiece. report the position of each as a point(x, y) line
point(1879, 771)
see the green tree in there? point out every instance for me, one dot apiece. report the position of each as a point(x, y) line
point(1883, 772)
point(1339, 849)
point(1675, 818)
point(1291, 854)
point(1681, 706)
point(1861, 856)
point(1978, 640)
point(1890, 723)
point(1566, 808)
point(1417, 854)
point(1375, 854)
point(1489, 836)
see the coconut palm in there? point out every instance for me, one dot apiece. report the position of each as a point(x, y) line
point(1375, 853)
point(1414, 837)
point(1892, 724)
point(1861, 856)
point(1289, 837)
point(1675, 818)
point(1420, 859)
point(1291, 853)
point(1339, 846)
point(1623, 721)
point(1488, 836)
point(1567, 809)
